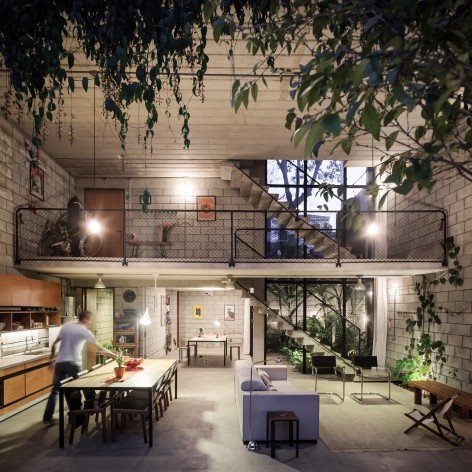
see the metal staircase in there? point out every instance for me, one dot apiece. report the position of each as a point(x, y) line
point(284, 326)
point(257, 194)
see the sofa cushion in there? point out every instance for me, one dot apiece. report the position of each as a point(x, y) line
point(265, 378)
point(243, 372)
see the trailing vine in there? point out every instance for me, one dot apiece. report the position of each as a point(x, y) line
point(426, 356)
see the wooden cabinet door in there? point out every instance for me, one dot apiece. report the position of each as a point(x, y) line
point(36, 298)
point(14, 388)
point(5, 292)
point(52, 294)
point(34, 381)
point(112, 222)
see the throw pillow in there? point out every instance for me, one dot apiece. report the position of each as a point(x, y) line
point(265, 378)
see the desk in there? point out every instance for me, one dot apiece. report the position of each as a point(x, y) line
point(146, 380)
point(208, 339)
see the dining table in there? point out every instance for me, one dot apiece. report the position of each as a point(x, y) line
point(208, 338)
point(145, 377)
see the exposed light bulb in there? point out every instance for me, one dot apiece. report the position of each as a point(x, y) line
point(145, 319)
point(94, 226)
point(372, 229)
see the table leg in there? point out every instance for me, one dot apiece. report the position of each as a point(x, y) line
point(150, 415)
point(290, 433)
point(297, 422)
point(272, 438)
point(267, 430)
point(175, 384)
point(188, 353)
point(433, 399)
point(61, 418)
point(224, 353)
point(417, 395)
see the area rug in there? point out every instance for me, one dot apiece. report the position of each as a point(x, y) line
point(378, 425)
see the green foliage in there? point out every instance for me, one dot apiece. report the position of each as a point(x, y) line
point(368, 66)
point(426, 356)
point(294, 354)
point(137, 49)
point(371, 66)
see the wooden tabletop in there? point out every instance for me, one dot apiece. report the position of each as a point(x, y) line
point(153, 370)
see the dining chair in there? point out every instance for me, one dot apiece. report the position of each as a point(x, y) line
point(368, 369)
point(326, 366)
point(129, 406)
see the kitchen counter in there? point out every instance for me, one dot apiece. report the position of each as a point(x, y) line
point(16, 359)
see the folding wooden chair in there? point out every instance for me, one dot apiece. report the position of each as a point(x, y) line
point(430, 419)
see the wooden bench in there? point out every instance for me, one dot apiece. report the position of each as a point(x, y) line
point(439, 390)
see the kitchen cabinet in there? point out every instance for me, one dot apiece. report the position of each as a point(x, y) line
point(23, 292)
point(14, 388)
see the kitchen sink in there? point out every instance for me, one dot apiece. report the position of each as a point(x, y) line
point(36, 352)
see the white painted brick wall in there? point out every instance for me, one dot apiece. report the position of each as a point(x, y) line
point(14, 188)
point(455, 196)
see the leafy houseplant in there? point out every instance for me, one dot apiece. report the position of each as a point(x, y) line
point(166, 229)
point(120, 370)
point(425, 355)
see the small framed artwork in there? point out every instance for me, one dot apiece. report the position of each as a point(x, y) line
point(230, 312)
point(206, 208)
point(36, 181)
point(197, 312)
point(141, 199)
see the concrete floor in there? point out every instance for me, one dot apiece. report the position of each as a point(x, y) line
point(199, 432)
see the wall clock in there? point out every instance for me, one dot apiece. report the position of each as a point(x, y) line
point(129, 296)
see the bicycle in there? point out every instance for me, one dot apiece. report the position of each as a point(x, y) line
point(57, 240)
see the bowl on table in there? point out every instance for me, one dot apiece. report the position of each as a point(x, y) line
point(132, 363)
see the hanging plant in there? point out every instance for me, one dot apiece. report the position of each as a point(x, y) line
point(425, 355)
point(146, 200)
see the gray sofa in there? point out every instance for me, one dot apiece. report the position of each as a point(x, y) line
point(281, 396)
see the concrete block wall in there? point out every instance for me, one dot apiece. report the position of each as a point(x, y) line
point(213, 310)
point(14, 187)
point(189, 238)
point(453, 304)
point(146, 297)
point(104, 316)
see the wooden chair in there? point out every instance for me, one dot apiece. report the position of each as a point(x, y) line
point(364, 366)
point(430, 421)
point(129, 406)
point(326, 366)
point(93, 405)
point(235, 343)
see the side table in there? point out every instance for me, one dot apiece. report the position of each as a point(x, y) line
point(272, 418)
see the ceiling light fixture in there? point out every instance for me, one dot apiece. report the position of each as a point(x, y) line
point(99, 283)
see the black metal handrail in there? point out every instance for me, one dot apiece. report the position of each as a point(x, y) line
point(410, 235)
point(294, 326)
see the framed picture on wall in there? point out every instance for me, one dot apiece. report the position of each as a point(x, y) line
point(230, 312)
point(36, 181)
point(206, 208)
point(197, 312)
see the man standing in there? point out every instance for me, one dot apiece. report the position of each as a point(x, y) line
point(72, 337)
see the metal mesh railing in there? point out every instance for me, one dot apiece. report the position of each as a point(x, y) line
point(229, 236)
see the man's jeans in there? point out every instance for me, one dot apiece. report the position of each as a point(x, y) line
point(61, 372)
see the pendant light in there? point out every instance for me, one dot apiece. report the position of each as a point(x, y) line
point(99, 284)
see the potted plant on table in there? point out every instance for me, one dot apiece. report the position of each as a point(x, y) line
point(120, 370)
